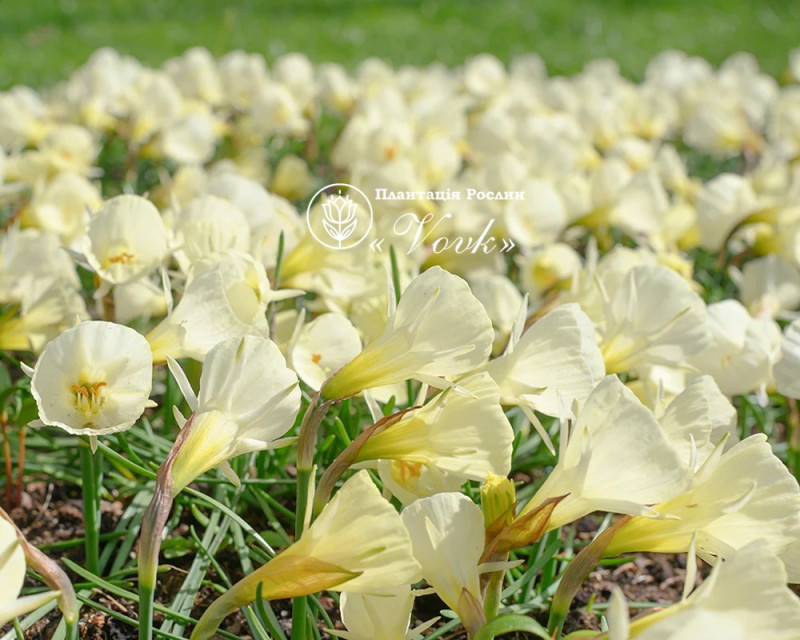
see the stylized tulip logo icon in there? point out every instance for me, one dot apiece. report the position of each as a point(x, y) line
point(340, 218)
point(343, 220)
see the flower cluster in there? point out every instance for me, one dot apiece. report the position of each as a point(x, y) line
point(600, 363)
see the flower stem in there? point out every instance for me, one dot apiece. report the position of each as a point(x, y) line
point(73, 631)
point(153, 523)
point(90, 472)
point(494, 589)
point(305, 477)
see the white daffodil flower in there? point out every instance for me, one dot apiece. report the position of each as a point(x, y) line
point(248, 399)
point(645, 314)
point(787, 369)
point(126, 239)
point(93, 379)
point(447, 537)
point(742, 349)
point(226, 296)
point(726, 507)
point(697, 420)
point(379, 616)
point(615, 458)
point(770, 286)
point(455, 437)
point(502, 301)
point(421, 339)
point(324, 346)
point(555, 362)
point(357, 544)
point(209, 225)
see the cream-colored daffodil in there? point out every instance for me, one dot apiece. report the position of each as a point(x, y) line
point(447, 536)
point(421, 340)
point(645, 314)
point(248, 399)
point(697, 419)
point(226, 296)
point(502, 301)
point(324, 346)
point(357, 544)
point(555, 362)
point(614, 458)
point(787, 369)
point(93, 379)
point(126, 239)
point(741, 350)
point(379, 617)
point(462, 436)
point(736, 497)
point(207, 225)
point(745, 597)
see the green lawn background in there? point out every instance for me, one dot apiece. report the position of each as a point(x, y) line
point(42, 41)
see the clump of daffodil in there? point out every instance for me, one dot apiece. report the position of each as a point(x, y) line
point(357, 544)
point(93, 379)
point(422, 339)
point(248, 399)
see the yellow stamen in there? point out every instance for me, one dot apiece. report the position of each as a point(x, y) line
point(88, 397)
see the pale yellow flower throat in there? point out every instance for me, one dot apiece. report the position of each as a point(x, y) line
point(89, 397)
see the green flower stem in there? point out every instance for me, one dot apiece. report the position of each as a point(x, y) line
point(90, 471)
point(300, 605)
point(577, 571)
point(155, 517)
point(73, 632)
point(494, 590)
point(153, 523)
